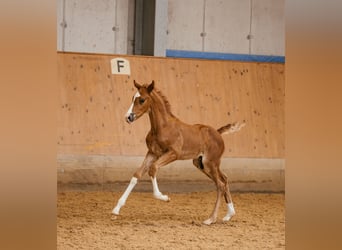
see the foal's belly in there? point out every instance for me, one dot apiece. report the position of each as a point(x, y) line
point(190, 155)
point(191, 149)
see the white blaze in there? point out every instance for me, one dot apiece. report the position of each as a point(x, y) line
point(131, 107)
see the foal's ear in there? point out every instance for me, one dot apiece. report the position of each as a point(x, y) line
point(137, 85)
point(150, 87)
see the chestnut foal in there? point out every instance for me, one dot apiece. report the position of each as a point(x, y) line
point(171, 139)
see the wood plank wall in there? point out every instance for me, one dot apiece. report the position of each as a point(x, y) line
point(93, 103)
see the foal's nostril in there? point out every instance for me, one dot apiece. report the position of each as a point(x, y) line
point(130, 118)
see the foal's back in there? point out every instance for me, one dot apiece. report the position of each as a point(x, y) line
point(199, 140)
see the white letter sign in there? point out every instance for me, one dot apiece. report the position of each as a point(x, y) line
point(120, 66)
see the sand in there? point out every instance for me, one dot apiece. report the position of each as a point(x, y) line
point(84, 221)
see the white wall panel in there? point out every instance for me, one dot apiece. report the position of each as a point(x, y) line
point(268, 27)
point(227, 25)
point(60, 29)
point(160, 28)
point(121, 34)
point(89, 26)
point(185, 24)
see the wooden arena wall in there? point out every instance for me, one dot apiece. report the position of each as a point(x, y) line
point(93, 102)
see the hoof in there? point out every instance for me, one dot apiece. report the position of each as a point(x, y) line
point(116, 211)
point(166, 198)
point(162, 197)
point(114, 217)
point(228, 217)
point(209, 221)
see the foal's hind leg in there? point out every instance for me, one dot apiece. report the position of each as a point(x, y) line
point(210, 168)
point(228, 198)
point(213, 171)
point(198, 162)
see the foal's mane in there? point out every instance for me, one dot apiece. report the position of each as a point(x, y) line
point(164, 99)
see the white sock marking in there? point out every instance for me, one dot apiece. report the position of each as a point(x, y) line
point(156, 193)
point(122, 200)
point(230, 213)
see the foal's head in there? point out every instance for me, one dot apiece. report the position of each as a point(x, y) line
point(141, 102)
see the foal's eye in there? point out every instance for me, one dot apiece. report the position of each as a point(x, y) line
point(141, 100)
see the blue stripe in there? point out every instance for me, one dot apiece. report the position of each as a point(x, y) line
point(224, 56)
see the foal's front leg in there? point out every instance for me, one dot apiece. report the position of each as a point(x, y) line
point(149, 159)
point(162, 161)
point(156, 193)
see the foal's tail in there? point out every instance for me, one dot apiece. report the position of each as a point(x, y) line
point(231, 128)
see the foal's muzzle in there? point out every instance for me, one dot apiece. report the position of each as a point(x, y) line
point(130, 118)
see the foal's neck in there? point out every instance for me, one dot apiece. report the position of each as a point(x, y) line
point(159, 113)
